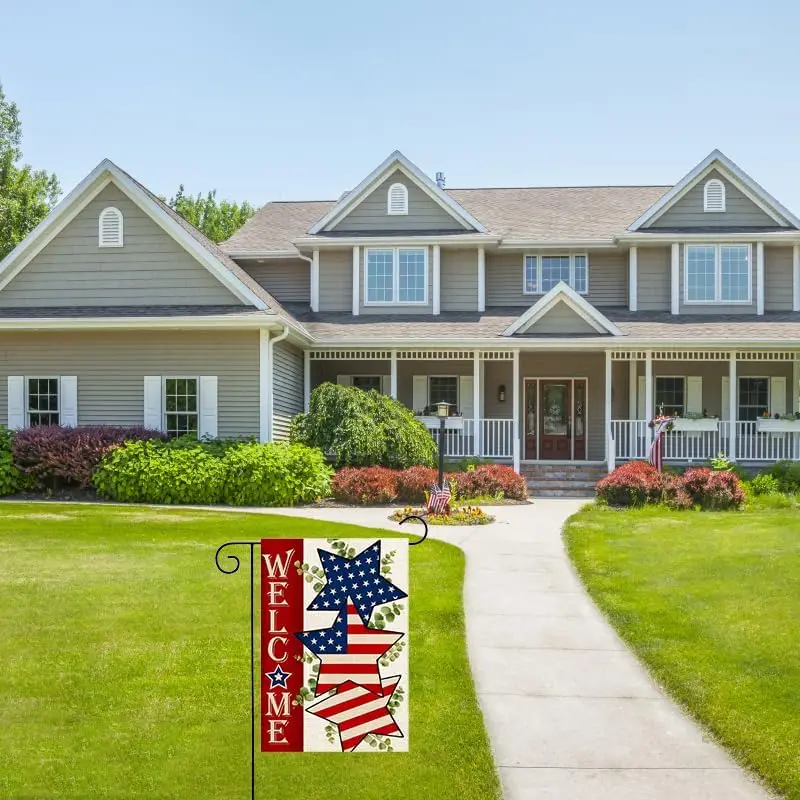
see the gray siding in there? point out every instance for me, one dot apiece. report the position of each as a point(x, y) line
point(778, 283)
point(688, 211)
point(497, 374)
point(150, 269)
point(287, 280)
point(336, 280)
point(459, 280)
point(287, 387)
point(423, 213)
point(717, 308)
point(561, 320)
point(387, 308)
point(653, 278)
point(608, 279)
point(111, 367)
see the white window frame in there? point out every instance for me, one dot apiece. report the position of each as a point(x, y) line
point(164, 412)
point(370, 375)
point(404, 210)
point(740, 378)
point(708, 210)
point(395, 278)
point(684, 378)
point(717, 301)
point(28, 412)
point(538, 257)
point(110, 210)
point(458, 388)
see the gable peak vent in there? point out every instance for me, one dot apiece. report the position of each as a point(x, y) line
point(397, 201)
point(110, 227)
point(714, 195)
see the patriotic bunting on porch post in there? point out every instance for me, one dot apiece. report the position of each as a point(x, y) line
point(660, 426)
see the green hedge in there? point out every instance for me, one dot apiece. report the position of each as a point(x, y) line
point(246, 473)
point(11, 478)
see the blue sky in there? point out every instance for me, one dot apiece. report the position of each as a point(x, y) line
point(299, 100)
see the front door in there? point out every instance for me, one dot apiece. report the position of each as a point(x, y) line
point(555, 420)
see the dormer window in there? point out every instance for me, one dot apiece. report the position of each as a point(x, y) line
point(110, 232)
point(714, 195)
point(397, 202)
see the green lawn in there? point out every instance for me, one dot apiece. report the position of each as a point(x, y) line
point(711, 603)
point(124, 660)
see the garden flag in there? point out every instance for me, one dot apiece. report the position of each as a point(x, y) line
point(657, 447)
point(439, 499)
point(334, 645)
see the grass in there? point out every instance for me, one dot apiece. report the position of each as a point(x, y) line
point(125, 658)
point(711, 603)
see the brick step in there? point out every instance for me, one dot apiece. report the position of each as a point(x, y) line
point(566, 476)
point(587, 485)
point(578, 493)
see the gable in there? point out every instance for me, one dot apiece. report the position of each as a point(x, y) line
point(151, 268)
point(740, 210)
point(560, 319)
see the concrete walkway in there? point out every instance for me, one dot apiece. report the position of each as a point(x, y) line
point(570, 712)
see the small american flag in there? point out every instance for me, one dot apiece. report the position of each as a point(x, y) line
point(657, 447)
point(439, 500)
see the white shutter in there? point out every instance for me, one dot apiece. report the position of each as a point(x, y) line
point(386, 385)
point(152, 403)
point(694, 394)
point(420, 392)
point(726, 397)
point(68, 401)
point(16, 402)
point(207, 418)
point(777, 396)
point(344, 380)
point(641, 411)
point(466, 400)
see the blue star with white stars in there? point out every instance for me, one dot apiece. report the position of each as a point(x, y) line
point(278, 678)
point(327, 641)
point(360, 578)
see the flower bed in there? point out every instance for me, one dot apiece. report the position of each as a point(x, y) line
point(465, 515)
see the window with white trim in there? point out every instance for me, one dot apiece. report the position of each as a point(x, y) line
point(714, 195)
point(397, 199)
point(670, 395)
point(443, 389)
point(543, 272)
point(368, 383)
point(110, 227)
point(753, 398)
point(180, 406)
point(43, 401)
point(396, 275)
point(717, 273)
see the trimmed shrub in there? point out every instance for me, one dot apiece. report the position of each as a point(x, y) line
point(277, 474)
point(787, 473)
point(632, 484)
point(491, 480)
point(53, 455)
point(765, 484)
point(11, 478)
point(414, 482)
point(363, 429)
point(713, 491)
point(366, 486)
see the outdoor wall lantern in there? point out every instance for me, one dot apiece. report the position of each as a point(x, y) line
point(501, 393)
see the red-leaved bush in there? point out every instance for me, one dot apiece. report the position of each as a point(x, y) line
point(632, 484)
point(488, 480)
point(713, 490)
point(412, 483)
point(55, 455)
point(366, 485)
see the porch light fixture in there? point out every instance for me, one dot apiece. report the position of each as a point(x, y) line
point(443, 409)
point(501, 393)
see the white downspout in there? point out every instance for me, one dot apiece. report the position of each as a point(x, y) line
point(271, 378)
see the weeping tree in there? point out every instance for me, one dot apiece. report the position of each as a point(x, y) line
point(363, 429)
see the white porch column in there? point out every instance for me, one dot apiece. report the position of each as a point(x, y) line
point(482, 278)
point(356, 281)
point(795, 384)
point(436, 300)
point(393, 377)
point(515, 401)
point(477, 391)
point(306, 379)
point(264, 385)
point(796, 277)
point(315, 280)
point(632, 278)
point(675, 305)
point(648, 393)
point(733, 403)
point(608, 405)
point(633, 386)
point(760, 278)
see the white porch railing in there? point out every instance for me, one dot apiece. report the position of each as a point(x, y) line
point(496, 442)
point(498, 438)
point(631, 442)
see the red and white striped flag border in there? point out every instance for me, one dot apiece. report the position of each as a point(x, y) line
point(334, 645)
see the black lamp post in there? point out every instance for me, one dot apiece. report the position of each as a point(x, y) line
point(443, 412)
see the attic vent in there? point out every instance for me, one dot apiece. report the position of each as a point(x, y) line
point(398, 199)
point(714, 195)
point(110, 227)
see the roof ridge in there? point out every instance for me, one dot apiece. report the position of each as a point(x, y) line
point(577, 186)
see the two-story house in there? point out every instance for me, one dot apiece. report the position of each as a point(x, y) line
point(557, 320)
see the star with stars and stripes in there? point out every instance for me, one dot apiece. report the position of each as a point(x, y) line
point(359, 578)
point(349, 651)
